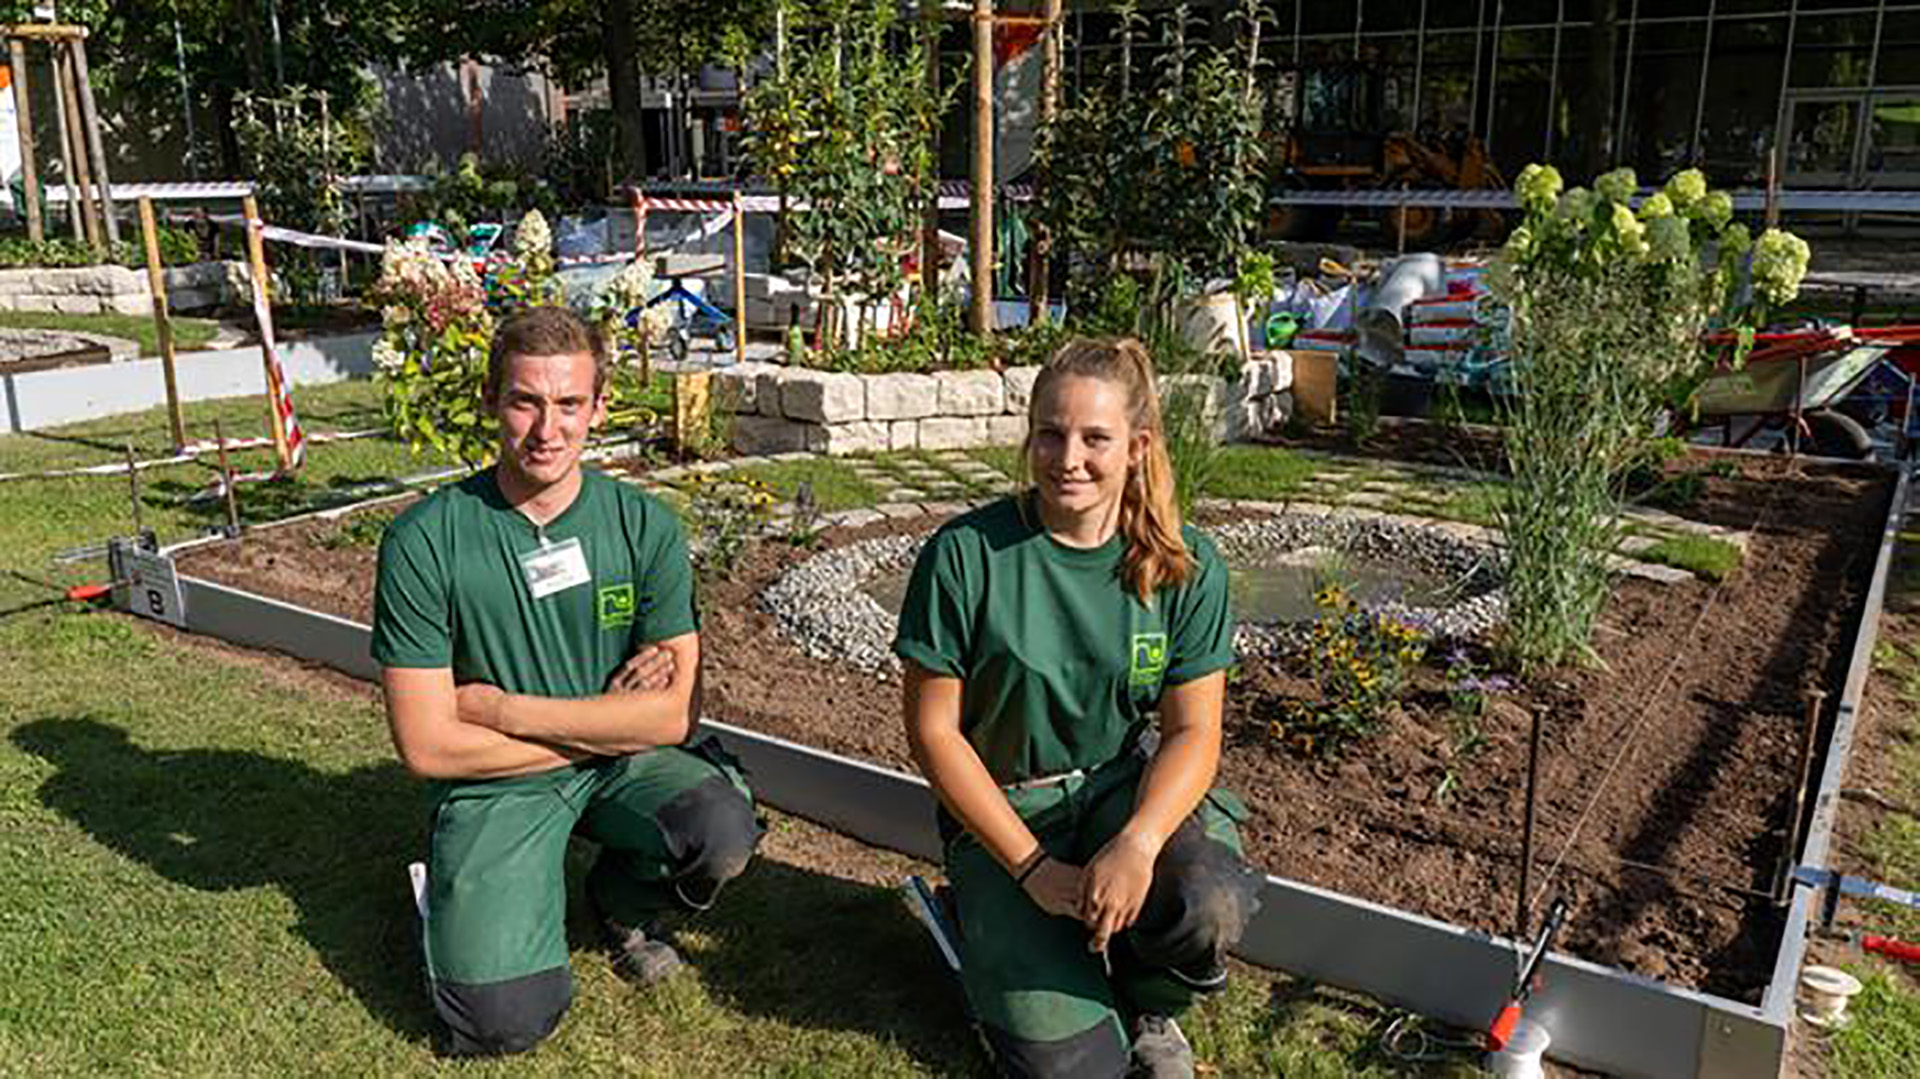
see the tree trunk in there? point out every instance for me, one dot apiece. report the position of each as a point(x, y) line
point(623, 87)
point(1602, 96)
point(254, 49)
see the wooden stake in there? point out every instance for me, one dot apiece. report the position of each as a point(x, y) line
point(226, 481)
point(23, 113)
point(79, 172)
point(64, 128)
point(982, 243)
point(90, 127)
point(739, 280)
point(1520, 919)
point(263, 306)
point(162, 320)
point(692, 402)
point(930, 33)
point(1040, 255)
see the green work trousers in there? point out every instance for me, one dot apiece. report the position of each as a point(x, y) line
point(673, 824)
point(1049, 1007)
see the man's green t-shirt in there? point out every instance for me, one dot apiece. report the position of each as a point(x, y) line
point(453, 590)
point(1061, 661)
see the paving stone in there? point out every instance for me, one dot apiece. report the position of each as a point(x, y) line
point(1636, 544)
point(943, 508)
point(906, 494)
point(898, 511)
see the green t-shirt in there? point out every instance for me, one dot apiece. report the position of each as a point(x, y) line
point(1061, 662)
point(452, 591)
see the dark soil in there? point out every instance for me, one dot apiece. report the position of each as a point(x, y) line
point(1666, 770)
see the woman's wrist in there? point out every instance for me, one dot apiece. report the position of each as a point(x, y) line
point(1026, 867)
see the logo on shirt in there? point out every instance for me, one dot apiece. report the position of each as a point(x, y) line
point(1149, 659)
point(618, 604)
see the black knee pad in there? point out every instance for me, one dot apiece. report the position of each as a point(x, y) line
point(712, 832)
point(1095, 1053)
point(499, 1018)
point(1202, 898)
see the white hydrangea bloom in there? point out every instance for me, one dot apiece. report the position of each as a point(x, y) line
point(1617, 186)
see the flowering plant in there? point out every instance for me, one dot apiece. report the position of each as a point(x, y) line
point(1609, 310)
point(621, 309)
point(431, 358)
point(1359, 659)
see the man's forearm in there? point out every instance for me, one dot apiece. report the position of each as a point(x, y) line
point(466, 751)
point(610, 724)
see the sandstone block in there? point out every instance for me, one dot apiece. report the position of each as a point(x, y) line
point(903, 435)
point(1019, 382)
point(77, 305)
point(823, 396)
point(128, 303)
point(971, 393)
point(1006, 430)
point(902, 396)
point(770, 434)
point(737, 388)
point(953, 432)
point(35, 301)
point(860, 436)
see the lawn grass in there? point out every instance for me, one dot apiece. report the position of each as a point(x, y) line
point(1703, 556)
point(835, 484)
point(204, 861)
point(1259, 473)
point(188, 333)
point(1883, 1039)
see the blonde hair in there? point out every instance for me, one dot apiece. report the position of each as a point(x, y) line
point(1156, 555)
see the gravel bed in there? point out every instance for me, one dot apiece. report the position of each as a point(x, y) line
point(821, 606)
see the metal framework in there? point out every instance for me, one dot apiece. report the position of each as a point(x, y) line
point(1601, 1018)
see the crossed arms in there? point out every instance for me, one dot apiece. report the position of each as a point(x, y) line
point(479, 731)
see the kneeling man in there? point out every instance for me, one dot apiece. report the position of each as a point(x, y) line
point(540, 655)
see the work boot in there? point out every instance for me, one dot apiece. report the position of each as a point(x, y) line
point(1160, 1051)
point(641, 959)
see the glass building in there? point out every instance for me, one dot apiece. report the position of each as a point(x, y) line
point(1656, 84)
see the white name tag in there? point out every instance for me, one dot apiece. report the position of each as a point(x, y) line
point(555, 567)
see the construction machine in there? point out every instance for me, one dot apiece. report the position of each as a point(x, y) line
point(1329, 134)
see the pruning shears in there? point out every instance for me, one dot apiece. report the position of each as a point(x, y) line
point(1500, 1031)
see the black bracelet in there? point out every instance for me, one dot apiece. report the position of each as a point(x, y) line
point(1021, 879)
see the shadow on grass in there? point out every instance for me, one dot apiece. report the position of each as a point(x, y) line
point(785, 943)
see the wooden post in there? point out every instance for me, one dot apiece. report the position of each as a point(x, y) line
point(90, 127)
point(79, 171)
point(23, 114)
point(692, 402)
point(930, 27)
point(739, 279)
point(982, 242)
point(64, 128)
point(262, 309)
point(1040, 255)
point(162, 320)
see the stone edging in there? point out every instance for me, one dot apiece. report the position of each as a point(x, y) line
point(114, 289)
point(783, 409)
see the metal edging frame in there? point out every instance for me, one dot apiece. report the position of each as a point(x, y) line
point(1601, 1017)
point(1778, 1003)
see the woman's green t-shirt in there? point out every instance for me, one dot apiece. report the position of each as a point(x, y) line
point(1061, 662)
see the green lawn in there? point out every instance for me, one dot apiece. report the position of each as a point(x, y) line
point(188, 333)
point(202, 860)
point(1883, 1041)
point(835, 486)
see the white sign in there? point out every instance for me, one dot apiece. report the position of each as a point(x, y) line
point(152, 589)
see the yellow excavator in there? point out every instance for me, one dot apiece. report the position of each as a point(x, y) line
point(1328, 134)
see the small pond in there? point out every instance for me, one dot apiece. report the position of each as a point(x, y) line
point(1269, 588)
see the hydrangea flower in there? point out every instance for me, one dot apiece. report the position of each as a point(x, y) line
point(1657, 206)
point(387, 357)
point(1630, 230)
point(532, 237)
point(1669, 239)
point(1687, 188)
point(1537, 187)
point(1576, 206)
point(1618, 185)
point(1779, 262)
point(1717, 210)
point(1736, 240)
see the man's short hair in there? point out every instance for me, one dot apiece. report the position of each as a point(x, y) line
point(544, 331)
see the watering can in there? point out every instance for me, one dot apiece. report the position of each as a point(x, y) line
point(1279, 330)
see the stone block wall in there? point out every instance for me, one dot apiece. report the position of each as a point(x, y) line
point(779, 409)
point(93, 290)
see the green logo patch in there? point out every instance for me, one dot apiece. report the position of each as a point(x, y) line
point(617, 606)
point(1149, 658)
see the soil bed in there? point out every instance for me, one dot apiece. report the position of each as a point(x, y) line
point(1695, 710)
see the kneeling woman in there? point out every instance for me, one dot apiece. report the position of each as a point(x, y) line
point(1099, 883)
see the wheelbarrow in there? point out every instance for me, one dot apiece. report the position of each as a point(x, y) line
point(694, 316)
point(1795, 382)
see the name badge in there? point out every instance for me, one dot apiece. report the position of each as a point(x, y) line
point(555, 567)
